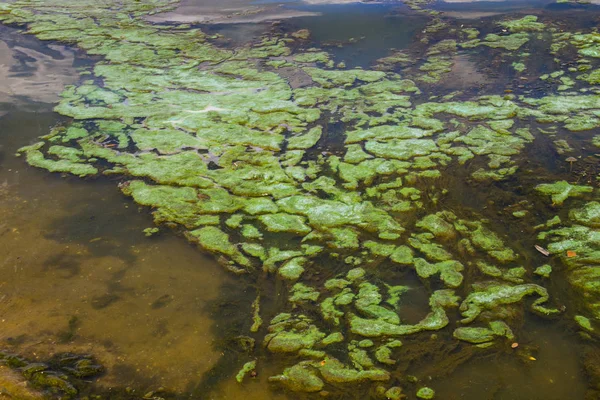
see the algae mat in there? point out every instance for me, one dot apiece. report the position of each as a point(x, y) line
point(339, 195)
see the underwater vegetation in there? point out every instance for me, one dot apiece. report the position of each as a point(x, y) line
point(337, 188)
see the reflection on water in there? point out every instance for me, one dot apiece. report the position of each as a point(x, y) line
point(32, 72)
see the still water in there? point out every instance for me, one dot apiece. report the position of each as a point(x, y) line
point(78, 275)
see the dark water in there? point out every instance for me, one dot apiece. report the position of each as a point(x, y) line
point(155, 311)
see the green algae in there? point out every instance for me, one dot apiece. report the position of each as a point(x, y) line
point(435, 320)
point(306, 140)
point(449, 270)
point(510, 42)
point(293, 269)
point(285, 223)
point(562, 190)
point(333, 371)
point(301, 292)
point(519, 66)
point(526, 24)
point(299, 378)
point(543, 270)
point(288, 335)
point(579, 235)
point(68, 161)
point(425, 393)
point(478, 335)
point(584, 322)
point(214, 239)
point(394, 393)
point(245, 370)
point(256, 319)
point(492, 295)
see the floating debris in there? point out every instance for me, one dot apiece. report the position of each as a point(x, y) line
point(542, 250)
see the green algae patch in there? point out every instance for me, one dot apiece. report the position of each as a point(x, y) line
point(435, 320)
point(285, 223)
point(300, 378)
point(519, 66)
point(245, 370)
point(584, 323)
point(301, 293)
point(526, 24)
point(544, 271)
point(68, 161)
point(575, 241)
point(256, 318)
point(449, 271)
point(306, 140)
point(333, 371)
point(425, 393)
point(510, 42)
point(477, 335)
point(289, 334)
point(562, 190)
point(490, 296)
point(293, 269)
point(215, 240)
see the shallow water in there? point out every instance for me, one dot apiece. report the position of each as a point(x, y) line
point(79, 275)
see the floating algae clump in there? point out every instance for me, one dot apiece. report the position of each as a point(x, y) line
point(562, 190)
point(289, 334)
point(426, 393)
point(300, 378)
point(526, 24)
point(490, 296)
point(246, 369)
point(577, 242)
point(483, 335)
